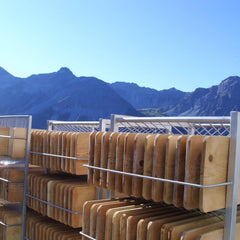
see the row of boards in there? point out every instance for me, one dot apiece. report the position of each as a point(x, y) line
point(65, 192)
point(10, 217)
point(15, 148)
point(63, 144)
point(43, 228)
point(193, 159)
point(133, 220)
point(13, 191)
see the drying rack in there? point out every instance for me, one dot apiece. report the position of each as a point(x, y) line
point(209, 126)
point(18, 121)
point(72, 126)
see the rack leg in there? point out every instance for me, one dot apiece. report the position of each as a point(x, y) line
point(233, 176)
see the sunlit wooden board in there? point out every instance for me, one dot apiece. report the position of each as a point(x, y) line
point(97, 158)
point(192, 171)
point(213, 171)
point(148, 165)
point(159, 166)
point(178, 189)
point(104, 158)
point(169, 172)
point(119, 160)
point(138, 163)
point(4, 142)
point(128, 163)
point(112, 160)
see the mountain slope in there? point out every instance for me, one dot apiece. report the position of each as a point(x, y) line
point(60, 96)
point(217, 100)
point(142, 97)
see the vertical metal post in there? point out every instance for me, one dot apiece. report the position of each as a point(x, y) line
point(49, 125)
point(113, 127)
point(25, 191)
point(233, 176)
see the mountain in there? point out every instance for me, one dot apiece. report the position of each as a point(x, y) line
point(142, 97)
point(63, 96)
point(60, 96)
point(217, 100)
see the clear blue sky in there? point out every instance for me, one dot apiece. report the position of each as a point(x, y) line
point(155, 43)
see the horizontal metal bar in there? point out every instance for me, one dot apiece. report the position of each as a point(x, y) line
point(159, 179)
point(55, 155)
point(87, 236)
point(72, 123)
point(11, 225)
point(14, 116)
point(53, 205)
point(10, 137)
point(175, 119)
point(9, 181)
point(8, 161)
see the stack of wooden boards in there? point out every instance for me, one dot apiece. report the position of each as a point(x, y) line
point(14, 220)
point(63, 191)
point(135, 220)
point(63, 144)
point(13, 191)
point(43, 228)
point(193, 159)
point(14, 147)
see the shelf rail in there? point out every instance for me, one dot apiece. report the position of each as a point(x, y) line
point(53, 205)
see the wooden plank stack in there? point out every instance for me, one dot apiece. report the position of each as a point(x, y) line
point(193, 159)
point(66, 192)
point(41, 228)
point(10, 217)
point(62, 144)
point(136, 220)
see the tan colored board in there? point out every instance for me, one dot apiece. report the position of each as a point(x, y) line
point(112, 160)
point(214, 171)
point(91, 156)
point(175, 232)
point(138, 163)
point(72, 153)
point(192, 171)
point(4, 142)
point(169, 172)
point(104, 158)
point(82, 152)
point(128, 163)
point(159, 166)
point(148, 166)
point(19, 145)
point(178, 189)
point(119, 160)
point(218, 234)
point(97, 158)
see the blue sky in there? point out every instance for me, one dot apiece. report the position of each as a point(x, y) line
point(159, 44)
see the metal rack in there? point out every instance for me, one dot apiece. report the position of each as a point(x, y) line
point(209, 126)
point(18, 121)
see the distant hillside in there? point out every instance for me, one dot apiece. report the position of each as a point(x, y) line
point(60, 96)
point(142, 97)
point(63, 96)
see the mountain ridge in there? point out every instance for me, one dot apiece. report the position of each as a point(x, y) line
point(61, 95)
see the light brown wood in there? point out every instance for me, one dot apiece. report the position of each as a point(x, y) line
point(171, 148)
point(4, 142)
point(104, 158)
point(91, 156)
point(159, 166)
point(148, 165)
point(119, 160)
point(192, 171)
point(138, 163)
point(82, 152)
point(128, 163)
point(214, 170)
point(178, 189)
point(97, 158)
point(112, 160)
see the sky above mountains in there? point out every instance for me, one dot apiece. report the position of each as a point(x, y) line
point(159, 44)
